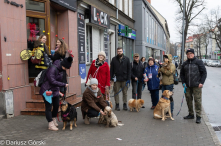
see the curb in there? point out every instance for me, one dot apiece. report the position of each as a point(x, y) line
point(211, 130)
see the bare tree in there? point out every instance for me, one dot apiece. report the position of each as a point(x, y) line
point(172, 49)
point(213, 23)
point(193, 9)
point(205, 39)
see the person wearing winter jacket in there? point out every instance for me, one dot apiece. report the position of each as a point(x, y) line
point(100, 70)
point(52, 81)
point(121, 70)
point(60, 50)
point(168, 70)
point(143, 61)
point(153, 81)
point(93, 102)
point(137, 69)
point(193, 74)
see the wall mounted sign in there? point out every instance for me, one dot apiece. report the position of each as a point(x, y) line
point(69, 4)
point(106, 42)
point(126, 32)
point(81, 39)
point(14, 3)
point(100, 18)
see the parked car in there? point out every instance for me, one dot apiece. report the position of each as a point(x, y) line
point(208, 62)
point(204, 61)
point(215, 63)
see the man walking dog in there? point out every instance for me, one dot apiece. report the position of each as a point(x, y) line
point(193, 74)
point(121, 70)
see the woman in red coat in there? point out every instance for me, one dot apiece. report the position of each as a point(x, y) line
point(100, 70)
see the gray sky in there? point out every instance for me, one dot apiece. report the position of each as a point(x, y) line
point(168, 8)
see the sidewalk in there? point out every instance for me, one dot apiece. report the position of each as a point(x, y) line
point(139, 129)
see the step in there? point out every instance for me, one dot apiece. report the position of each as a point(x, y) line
point(37, 96)
point(33, 110)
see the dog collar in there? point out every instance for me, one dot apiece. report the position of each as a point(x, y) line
point(165, 98)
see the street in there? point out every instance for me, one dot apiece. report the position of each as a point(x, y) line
point(211, 97)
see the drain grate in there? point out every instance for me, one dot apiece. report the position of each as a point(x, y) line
point(217, 128)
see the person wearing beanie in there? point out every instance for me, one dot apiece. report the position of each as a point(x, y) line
point(53, 81)
point(93, 103)
point(193, 75)
point(100, 70)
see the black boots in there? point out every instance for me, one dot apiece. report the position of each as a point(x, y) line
point(117, 107)
point(198, 120)
point(125, 106)
point(189, 117)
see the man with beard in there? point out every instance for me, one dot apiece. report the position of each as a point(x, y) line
point(121, 71)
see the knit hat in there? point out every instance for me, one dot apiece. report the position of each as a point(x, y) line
point(67, 62)
point(190, 50)
point(165, 56)
point(102, 53)
point(93, 81)
point(156, 60)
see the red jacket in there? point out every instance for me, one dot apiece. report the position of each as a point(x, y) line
point(103, 75)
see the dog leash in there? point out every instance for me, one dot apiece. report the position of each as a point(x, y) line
point(128, 82)
point(184, 85)
point(136, 93)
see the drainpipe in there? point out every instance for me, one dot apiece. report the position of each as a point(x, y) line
point(117, 8)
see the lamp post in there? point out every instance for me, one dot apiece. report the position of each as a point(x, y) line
point(183, 35)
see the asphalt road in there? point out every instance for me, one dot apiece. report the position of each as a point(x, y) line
point(211, 98)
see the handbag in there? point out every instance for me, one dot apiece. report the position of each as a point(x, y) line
point(34, 60)
point(48, 93)
point(94, 76)
point(175, 77)
point(47, 59)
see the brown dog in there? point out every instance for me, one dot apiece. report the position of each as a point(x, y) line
point(137, 104)
point(68, 114)
point(163, 106)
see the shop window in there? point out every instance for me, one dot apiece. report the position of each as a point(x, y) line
point(120, 41)
point(89, 44)
point(35, 6)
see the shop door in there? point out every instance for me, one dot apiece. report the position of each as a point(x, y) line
point(37, 20)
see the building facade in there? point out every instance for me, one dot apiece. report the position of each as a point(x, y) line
point(151, 36)
point(21, 23)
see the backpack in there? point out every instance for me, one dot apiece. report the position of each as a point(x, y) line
point(175, 77)
point(39, 80)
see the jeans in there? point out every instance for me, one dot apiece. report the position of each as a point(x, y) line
point(154, 97)
point(169, 87)
point(136, 89)
point(48, 106)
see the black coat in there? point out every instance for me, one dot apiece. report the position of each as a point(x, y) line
point(122, 70)
point(193, 72)
point(137, 70)
point(57, 56)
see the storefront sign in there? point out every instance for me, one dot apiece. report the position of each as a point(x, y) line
point(126, 32)
point(106, 42)
point(82, 72)
point(100, 18)
point(13, 3)
point(81, 39)
point(69, 4)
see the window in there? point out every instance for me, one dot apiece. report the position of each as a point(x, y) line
point(147, 26)
point(88, 44)
point(152, 31)
point(130, 9)
point(35, 6)
point(150, 24)
point(112, 2)
point(126, 7)
point(120, 5)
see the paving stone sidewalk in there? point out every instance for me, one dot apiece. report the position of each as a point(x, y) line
point(140, 129)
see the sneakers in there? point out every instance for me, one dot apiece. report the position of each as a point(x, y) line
point(189, 117)
point(52, 127)
point(86, 120)
point(198, 120)
point(117, 107)
point(55, 122)
point(125, 106)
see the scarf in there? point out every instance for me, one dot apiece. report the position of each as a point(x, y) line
point(94, 91)
point(97, 63)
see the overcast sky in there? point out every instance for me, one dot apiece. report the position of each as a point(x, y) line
point(168, 8)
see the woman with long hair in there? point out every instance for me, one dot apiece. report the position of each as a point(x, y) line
point(143, 61)
point(100, 70)
point(60, 50)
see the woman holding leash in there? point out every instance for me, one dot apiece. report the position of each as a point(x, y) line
point(93, 102)
point(52, 81)
point(100, 70)
point(151, 73)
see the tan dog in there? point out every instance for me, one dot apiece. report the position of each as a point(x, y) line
point(137, 104)
point(110, 117)
point(163, 106)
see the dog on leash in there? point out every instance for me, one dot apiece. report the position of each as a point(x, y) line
point(68, 114)
point(110, 118)
point(137, 104)
point(163, 106)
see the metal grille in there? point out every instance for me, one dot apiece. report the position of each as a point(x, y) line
point(217, 128)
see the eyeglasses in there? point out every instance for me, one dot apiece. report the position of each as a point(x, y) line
point(136, 56)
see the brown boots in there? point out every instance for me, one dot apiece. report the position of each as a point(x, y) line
point(86, 120)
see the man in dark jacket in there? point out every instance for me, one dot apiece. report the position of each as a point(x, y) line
point(121, 70)
point(193, 74)
point(137, 70)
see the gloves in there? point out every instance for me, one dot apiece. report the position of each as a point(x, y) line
point(184, 86)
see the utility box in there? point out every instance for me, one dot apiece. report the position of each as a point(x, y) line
point(9, 104)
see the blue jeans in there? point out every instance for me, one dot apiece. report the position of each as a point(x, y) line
point(169, 87)
point(154, 97)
